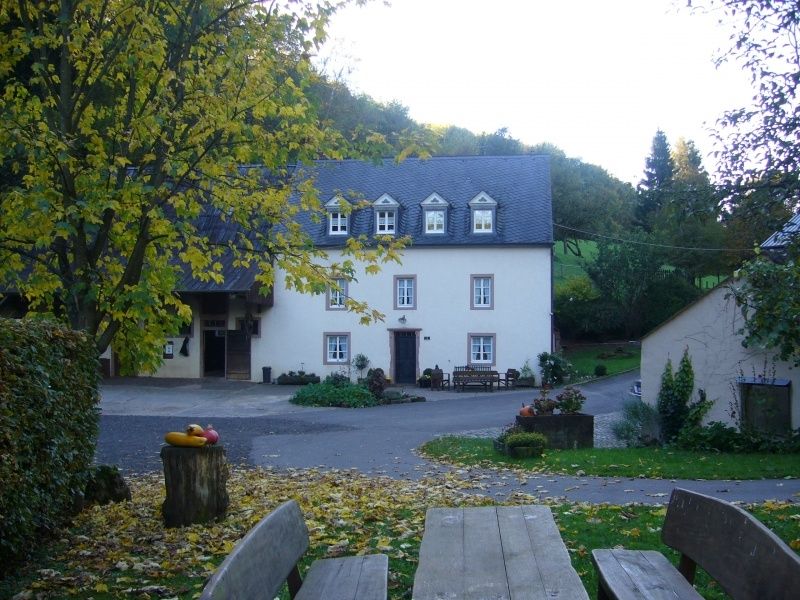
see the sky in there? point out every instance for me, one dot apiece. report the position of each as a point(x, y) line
point(596, 78)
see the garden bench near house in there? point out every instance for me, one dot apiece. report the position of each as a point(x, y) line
point(267, 557)
point(745, 558)
point(477, 375)
point(509, 378)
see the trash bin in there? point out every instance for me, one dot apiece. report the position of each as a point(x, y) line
point(266, 373)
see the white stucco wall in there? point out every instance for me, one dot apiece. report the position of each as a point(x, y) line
point(708, 329)
point(292, 331)
point(185, 366)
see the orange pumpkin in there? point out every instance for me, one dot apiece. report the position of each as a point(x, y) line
point(526, 411)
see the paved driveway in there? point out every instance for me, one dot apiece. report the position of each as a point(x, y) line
point(259, 426)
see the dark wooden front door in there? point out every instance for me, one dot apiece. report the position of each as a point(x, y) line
point(405, 356)
point(213, 353)
point(238, 355)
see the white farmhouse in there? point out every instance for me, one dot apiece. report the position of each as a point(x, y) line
point(474, 286)
point(750, 383)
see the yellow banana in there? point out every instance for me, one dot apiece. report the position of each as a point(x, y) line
point(194, 430)
point(178, 438)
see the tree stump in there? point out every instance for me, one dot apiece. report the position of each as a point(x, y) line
point(196, 481)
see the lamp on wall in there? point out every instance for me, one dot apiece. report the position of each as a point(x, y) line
point(402, 320)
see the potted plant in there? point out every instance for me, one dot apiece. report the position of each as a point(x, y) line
point(527, 378)
point(525, 444)
point(360, 362)
point(569, 428)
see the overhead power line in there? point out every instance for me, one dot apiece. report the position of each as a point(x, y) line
point(624, 241)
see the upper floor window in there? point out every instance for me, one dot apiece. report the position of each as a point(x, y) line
point(337, 294)
point(434, 221)
point(434, 209)
point(481, 349)
point(385, 221)
point(405, 292)
point(484, 209)
point(338, 219)
point(386, 209)
point(482, 291)
point(337, 223)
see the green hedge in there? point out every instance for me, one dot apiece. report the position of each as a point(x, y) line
point(49, 417)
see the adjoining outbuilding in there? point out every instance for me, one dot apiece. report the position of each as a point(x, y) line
point(748, 385)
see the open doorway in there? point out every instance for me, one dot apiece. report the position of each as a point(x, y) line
point(214, 353)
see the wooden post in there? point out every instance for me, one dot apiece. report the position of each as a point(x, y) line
point(196, 485)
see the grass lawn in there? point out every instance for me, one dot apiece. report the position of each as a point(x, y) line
point(566, 265)
point(617, 357)
point(123, 551)
point(620, 462)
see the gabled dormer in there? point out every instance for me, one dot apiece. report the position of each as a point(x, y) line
point(386, 209)
point(483, 210)
point(434, 215)
point(338, 215)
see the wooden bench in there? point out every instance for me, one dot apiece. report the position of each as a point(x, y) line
point(745, 558)
point(267, 557)
point(478, 375)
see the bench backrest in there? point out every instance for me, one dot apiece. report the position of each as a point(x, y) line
point(263, 559)
point(745, 558)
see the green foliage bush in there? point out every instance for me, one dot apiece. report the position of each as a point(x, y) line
point(673, 397)
point(345, 395)
point(48, 428)
point(639, 426)
point(570, 401)
point(555, 368)
point(719, 437)
point(600, 370)
point(376, 382)
point(337, 379)
point(527, 439)
point(299, 378)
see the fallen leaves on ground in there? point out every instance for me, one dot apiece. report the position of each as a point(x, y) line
point(124, 551)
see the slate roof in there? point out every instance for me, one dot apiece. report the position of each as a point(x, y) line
point(780, 239)
point(519, 184)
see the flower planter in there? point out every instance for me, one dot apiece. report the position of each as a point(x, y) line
point(563, 432)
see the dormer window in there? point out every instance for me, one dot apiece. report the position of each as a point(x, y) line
point(484, 209)
point(385, 215)
point(434, 209)
point(338, 219)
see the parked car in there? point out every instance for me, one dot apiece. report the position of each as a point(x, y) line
point(636, 389)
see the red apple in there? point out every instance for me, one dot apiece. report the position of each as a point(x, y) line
point(211, 435)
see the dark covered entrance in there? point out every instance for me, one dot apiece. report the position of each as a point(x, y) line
point(405, 356)
point(214, 353)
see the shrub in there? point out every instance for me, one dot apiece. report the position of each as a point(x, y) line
point(299, 378)
point(376, 382)
point(674, 395)
point(48, 428)
point(346, 395)
point(570, 401)
point(544, 404)
point(639, 426)
point(600, 370)
point(425, 380)
point(527, 439)
point(555, 368)
point(719, 437)
point(360, 362)
point(337, 379)
point(509, 430)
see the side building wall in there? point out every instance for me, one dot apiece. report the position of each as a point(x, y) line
point(708, 329)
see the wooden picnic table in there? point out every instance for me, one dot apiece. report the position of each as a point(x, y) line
point(496, 552)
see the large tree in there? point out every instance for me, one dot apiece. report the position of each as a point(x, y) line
point(655, 186)
point(124, 124)
point(760, 159)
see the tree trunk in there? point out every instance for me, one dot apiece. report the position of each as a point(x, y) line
point(196, 485)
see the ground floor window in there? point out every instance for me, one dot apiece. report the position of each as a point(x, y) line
point(337, 348)
point(481, 348)
point(766, 404)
